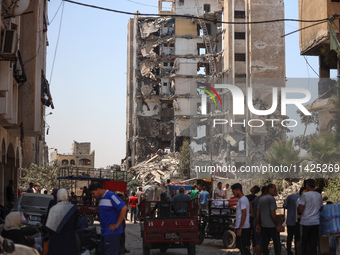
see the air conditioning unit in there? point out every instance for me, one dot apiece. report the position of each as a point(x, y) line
point(9, 45)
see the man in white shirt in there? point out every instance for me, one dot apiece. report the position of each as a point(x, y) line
point(242, 224)
point(310, 205)
point(226, 191)
point(218, 192)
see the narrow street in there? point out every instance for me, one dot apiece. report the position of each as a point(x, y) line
point(209, 246)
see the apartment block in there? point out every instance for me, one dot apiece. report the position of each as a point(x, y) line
point(316, 41)
point(81, 156)
point(24, 90)
point(200, 42)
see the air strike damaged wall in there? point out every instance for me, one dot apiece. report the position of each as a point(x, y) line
point(166, 58)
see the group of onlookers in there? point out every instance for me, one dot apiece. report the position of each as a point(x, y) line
point(256, 216)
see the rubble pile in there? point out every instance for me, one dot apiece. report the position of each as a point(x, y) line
point(292, 189)
point(157, 168)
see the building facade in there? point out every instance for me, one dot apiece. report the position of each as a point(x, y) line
point(169, 57)
point(24, 90)
point(81, 156)
point(316, 41)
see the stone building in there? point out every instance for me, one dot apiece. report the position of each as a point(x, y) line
point(170, 57)
point(24, 90)
point(81, 156)
point(316, 41)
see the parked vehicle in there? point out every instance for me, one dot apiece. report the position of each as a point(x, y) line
point(218, 223)
point(34, 206)
point(168, 230)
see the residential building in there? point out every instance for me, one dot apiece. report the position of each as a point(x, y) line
point(316, 41)
point(24, 90)
point(170, 57)
point(81, 156)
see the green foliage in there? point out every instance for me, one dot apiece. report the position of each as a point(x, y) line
point(333, 190)
point(45, 177)
point(324, 149)
point(133, 184)
point(184, 159)
point(283, 153)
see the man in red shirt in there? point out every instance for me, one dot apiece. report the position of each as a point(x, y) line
point(133, 205)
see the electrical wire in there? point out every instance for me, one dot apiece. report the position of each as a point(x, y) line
point(311, 66)
point(195, 17)
point(56, 47)
point(305, 28)
point(56, 13)
point(142, 4)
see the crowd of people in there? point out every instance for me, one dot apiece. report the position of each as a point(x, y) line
point(256, 221)
point(303, 219)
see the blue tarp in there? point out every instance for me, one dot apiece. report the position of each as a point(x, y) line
point(176, 187)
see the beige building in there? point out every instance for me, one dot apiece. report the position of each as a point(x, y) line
point(169, 57)
point(315, 41)
point(81, 156)
point(24, 90)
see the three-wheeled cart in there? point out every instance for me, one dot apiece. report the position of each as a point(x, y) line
point(218, 223)
point(115, 181)
point(163, 228)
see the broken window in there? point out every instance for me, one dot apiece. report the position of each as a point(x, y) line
point(165, 84)
point(240, 35)
point(206, 8)
point(166, 6)
point(203, 68)
point(167, 110)
point(171, 64)
point(240, 57)
point(239, 14)
point(165, 64)
point(201, 48)
point(181, 2)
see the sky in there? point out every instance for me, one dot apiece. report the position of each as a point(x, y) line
point(86, 69)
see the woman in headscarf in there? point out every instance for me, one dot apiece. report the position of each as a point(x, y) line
point(62, 223)
point(13, 231)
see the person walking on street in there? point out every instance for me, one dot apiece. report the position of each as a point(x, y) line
point(225, 190)
point(242, 224)
point(292, 227)
point(139, 195)
point(10, 195)
point(133, 206)
point(218, 192)
point(258, 236)
point(112, 211)
point(204, 197)
point(267, 222)
point(310, 205)
point(193, 192)
point(62, 223)
point(30, 188)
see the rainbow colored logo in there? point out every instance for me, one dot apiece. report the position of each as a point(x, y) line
point(209, 93)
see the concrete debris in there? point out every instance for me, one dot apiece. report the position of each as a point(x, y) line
point(292, 189)
point(146, 69)
point(149, 27)
point(157, 169)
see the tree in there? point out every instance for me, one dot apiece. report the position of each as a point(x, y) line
point(324, 149)
point(45, 177)
point(283, 153)
point(184, 159)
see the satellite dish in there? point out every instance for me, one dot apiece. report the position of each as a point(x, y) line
point(16, 7)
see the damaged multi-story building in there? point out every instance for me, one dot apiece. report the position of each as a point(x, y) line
point(195, 42)
point(316, 41)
